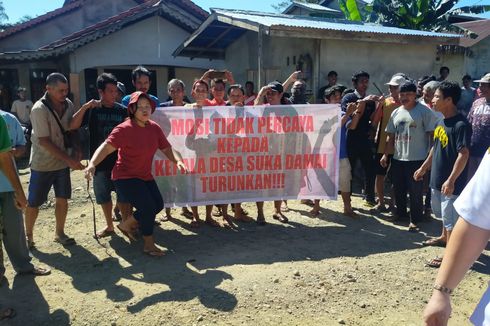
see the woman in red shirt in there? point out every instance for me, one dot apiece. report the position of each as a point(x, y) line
point(137, 140)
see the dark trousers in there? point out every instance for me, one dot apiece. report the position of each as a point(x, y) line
point(366, 156)
point(403, 182)
point(145, 197)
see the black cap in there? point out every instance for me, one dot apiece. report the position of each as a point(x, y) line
point(408, 87)
point(276, 86)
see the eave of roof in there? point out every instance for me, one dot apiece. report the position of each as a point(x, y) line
point(289, 25)
point(479, 27)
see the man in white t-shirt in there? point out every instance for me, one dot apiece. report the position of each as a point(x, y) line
point(470, 236)
point(21, 108)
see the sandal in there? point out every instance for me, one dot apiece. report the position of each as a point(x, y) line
point(217, 212)
point(37, 271)
point(281, 218)
point(413, 228)
point(308, 202)
point(186, 213)
point(435, 242)
point(154, 253)
point(434, 263)
point(65, 240)
point(105, 233)
point(7, 313)
point(284, 208)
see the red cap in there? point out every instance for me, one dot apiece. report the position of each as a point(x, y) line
point(134, 99)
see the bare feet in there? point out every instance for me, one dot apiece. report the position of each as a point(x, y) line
point(350, 213)
point(315, 212)
point(212, 222)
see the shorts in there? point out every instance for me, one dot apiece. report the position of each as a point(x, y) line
point(345, 175)
point(41, 182)
point(378, 168)
point(443, 207)
point(103, 186)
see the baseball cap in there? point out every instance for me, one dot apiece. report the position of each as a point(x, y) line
point(276, 86)
point(485, 79)
point(134, 99)
point(397, 80)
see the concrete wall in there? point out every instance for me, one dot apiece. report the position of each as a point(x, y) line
point(476, 65)
point(90, 13)
point(152, 42)
point(479, 64)
point(381, 60)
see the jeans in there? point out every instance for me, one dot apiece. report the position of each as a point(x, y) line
point(403, 182)
point(366, 156)
point(145, 197)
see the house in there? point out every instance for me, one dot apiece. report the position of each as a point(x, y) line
point(472, 54)
point(87, 37)
point(264, 47)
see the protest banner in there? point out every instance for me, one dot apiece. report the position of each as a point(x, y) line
point(247, 154)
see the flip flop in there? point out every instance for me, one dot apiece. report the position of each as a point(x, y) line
point(284, 208)
point(413, 228)
point(434, 242)
point(128, 235)
point(280, 218)
point(37, 271)
point(7, 313)
point(434, 262)
point(65, 241)
point(106, 233)
point(154, 253)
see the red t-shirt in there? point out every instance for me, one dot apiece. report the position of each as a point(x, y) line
point(137, 146)
point(251, 99)
point(214, 102)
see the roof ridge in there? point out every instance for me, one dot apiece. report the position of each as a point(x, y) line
point(39, 19)
point(131, 11)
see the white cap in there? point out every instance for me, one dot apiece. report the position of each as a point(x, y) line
point(397, 81)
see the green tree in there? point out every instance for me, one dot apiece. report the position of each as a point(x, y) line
point(413, 14)
point(3, 17)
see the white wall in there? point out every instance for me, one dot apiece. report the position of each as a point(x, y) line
point(149, 42)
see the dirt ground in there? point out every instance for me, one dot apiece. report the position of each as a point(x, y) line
point(328, 270)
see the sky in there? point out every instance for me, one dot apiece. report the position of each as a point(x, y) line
point(16, 9)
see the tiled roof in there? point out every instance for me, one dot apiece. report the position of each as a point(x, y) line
point(40, 19)
point(71, 5)
point(479, 27)
point(176, 11)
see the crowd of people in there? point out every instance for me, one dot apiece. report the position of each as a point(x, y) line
point(424, 138)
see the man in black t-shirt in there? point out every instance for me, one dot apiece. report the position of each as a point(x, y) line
point(360, 135)
point(102, 116)
point(447, 159)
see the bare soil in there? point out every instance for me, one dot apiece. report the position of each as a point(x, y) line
point(328, 270)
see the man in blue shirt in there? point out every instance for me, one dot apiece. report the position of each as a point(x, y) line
point(141, 82)
point(12, 199)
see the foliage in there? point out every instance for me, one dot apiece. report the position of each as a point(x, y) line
point(413, 14)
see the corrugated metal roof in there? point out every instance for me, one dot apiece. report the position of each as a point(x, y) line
point(271, 20)
point(312, 6)
point(480, 27)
